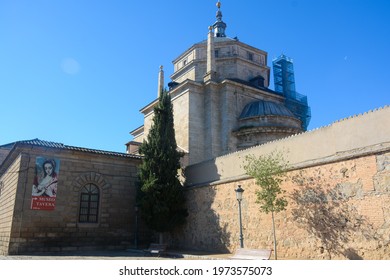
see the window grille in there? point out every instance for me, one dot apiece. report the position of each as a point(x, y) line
point(89, 204)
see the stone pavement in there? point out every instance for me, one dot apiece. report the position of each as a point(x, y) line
point(117, 255)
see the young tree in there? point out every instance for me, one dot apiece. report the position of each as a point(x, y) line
point(161, 197)
point(269, 172)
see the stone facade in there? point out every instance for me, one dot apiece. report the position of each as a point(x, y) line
point(24, 230)
point(338, 191)
point(233, 59)
point(206, 119)
point(338, 187)
point(336, 211)
point(212, 83)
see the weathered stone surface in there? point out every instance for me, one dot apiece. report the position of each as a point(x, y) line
point(60, 229)
point(343, 218)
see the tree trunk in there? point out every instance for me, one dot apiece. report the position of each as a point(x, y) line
point(273, 226)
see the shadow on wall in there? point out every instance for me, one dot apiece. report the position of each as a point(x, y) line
point(204, 230)
point(327, 215)
point(207, 170)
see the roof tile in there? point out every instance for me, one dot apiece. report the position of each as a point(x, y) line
point(49, 144)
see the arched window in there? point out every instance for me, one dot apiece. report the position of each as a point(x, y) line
point(89, 204)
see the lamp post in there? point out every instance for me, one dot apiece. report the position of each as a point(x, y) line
point(239, 192)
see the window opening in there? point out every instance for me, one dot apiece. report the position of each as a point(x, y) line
point(89, 204)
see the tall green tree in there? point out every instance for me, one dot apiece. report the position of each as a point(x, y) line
point(161, 195)
point(269, 171)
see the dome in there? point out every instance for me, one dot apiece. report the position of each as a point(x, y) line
point(265, 108)
point(264, 121)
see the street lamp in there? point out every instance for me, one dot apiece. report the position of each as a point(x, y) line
point(239, 192)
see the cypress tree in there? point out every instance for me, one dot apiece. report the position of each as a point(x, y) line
point(161, 195)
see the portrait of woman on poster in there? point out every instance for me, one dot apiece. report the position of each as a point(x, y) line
point(45, 184)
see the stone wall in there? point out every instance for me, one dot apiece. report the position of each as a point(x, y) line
point(8, 186)
point(60, 229)
point(364, 134)
point(338, 189)
point(337, 210)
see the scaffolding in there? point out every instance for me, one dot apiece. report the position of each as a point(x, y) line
point(284, 82)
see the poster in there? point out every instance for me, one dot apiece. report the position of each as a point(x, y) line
point(44, 189)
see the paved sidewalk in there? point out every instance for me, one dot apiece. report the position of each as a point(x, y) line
point(117, 255)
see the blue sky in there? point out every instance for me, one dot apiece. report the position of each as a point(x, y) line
point(78, 71)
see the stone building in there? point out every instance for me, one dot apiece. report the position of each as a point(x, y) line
point(87, 203)
point(221, 99)
point(223, 111)
point(337, 187)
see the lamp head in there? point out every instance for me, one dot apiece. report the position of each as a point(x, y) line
point(239, 192)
